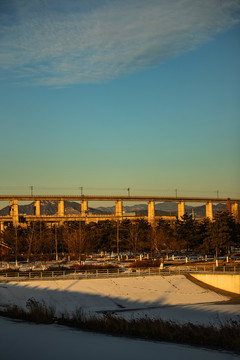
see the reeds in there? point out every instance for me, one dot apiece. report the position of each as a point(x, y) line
point(225, 336)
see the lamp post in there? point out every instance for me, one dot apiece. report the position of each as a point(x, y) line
point(118, 238)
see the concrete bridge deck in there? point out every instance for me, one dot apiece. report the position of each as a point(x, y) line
point(231, 204)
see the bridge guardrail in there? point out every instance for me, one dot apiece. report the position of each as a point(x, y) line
point(106, 273)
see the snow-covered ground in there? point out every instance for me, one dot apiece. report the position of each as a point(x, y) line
point(19, 340)
point(167, 297)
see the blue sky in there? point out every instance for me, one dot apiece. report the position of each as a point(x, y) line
point(115, 94)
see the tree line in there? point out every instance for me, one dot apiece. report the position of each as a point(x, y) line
point(78, 239)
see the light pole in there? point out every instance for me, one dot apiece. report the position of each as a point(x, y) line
point(56, 243)
point(118, 238)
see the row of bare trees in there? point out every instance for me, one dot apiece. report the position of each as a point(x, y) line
point(39, 241)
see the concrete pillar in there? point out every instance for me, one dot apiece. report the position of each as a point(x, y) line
point(1, 226)
point(151, 212)
point(234, 209)
point(119, 208)
point(60, 207)
point(37, 207)
point(84, 208)
point(181, 209)
point(14, 211)
point(209, 213)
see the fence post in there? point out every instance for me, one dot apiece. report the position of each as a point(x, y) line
point(52, 274)
point(107, 272)
point(41, 275)
point(118, 272)
point(18, 276)
point(96, 273)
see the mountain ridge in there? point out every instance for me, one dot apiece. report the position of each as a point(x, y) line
point(50, 207)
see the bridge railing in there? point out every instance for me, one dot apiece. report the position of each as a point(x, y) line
point(106, 273)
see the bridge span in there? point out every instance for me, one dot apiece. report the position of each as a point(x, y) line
point(60, 217)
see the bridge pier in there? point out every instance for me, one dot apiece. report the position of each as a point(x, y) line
point(181, 209)
point(151, 212)
point(60, 207)
point(234, 209)
point(37, 207)
point(1, 226)
point(209, 212)
point(84, 208)
point(119, 209)
point(14, 211)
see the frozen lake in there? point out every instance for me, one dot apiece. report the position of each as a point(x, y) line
point(29, 341)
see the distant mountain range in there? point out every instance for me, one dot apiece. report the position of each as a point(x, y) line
point(162, 209)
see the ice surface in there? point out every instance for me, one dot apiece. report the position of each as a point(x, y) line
point(28, 341)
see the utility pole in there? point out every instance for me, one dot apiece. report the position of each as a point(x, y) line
point(16, 247)
point(128, 189)
point(176, 192)
point(118, 238)
point(56, 243)
point(31, 188)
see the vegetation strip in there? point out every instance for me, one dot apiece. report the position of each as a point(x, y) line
point(128, 239)
point(225, 337)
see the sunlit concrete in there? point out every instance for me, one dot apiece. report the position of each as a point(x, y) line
point(234, 209)
point(151, 212)
point(181, 209)
point(60, 207)
point(84, 208)
point(37, 210)
point(209, 211)
point(227, 282)
point(119, 209)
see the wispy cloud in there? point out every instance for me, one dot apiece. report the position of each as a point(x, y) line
point(58, 42)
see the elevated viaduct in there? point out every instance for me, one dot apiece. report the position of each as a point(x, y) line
point(60, 217)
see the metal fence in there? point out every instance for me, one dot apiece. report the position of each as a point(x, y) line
point(107, 273)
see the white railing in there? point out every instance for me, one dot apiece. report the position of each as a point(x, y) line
point(119, 272)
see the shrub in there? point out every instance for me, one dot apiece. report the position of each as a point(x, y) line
point(39, 312)
point(145, 263)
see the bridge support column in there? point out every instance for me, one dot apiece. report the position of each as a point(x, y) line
point(181, 209)
point(60, 207)
point(84, 208)
point(234, 209)
point(209, 212)
point(151, 212)
point(119, 209)
point(14, 211)
point(37, 207)
point(1, 226)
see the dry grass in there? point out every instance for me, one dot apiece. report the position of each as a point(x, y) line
point(225, 336)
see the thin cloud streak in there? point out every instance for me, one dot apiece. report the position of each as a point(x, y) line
point(61, 43)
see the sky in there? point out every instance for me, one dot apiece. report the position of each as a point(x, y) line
point(110, 95)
